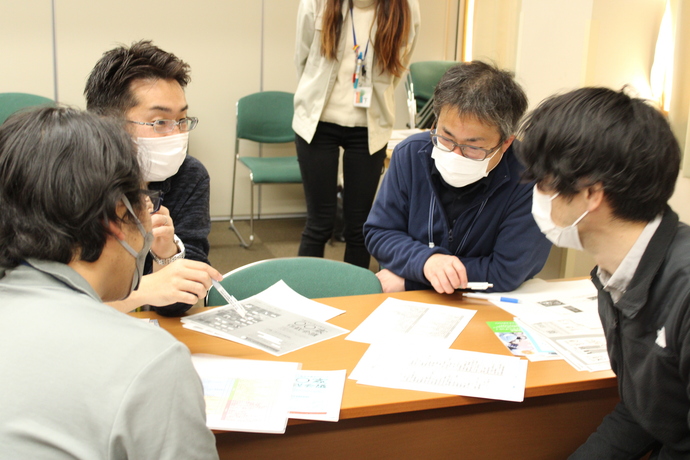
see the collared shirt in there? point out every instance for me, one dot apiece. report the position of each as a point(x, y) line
point(617, 284)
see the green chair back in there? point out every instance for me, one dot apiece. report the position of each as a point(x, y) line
point(425, 76)
point(12, 102)
point(266, 117)
point(311, 277)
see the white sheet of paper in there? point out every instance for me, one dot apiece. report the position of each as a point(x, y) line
point(265, 326)
point(583, 347)
point(401, 320)
point(317, 395)
point(246, 395)
point(283, 296)
point(457, 372)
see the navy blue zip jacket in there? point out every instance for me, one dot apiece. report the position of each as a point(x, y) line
point(499, 242)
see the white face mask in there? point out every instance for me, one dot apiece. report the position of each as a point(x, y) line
point(457, 170)
point(161, 157)
point(563, 237)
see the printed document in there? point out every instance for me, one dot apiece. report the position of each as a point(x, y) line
point(457, 372)
point(246, 395)
point(265, 326)
point(317, 395)
point(564, 315)
point(401, 320)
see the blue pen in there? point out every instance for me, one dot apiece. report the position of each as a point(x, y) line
point(509, 299)
point(474, 295)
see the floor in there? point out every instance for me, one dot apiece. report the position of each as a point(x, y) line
point(274, 238)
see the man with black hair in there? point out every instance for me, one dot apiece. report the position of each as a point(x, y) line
point(605, 165)
point(79, 379)
point(453, 207)
point(144, 86)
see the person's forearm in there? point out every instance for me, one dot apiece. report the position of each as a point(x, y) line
point(130, 303)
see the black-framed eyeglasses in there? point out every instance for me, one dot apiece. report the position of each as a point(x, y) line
point(468, 151)
point(168, 126)
point(154, 199)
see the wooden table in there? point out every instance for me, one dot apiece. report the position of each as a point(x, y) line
point(561, 408)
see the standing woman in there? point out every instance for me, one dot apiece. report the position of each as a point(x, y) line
point(350, 56)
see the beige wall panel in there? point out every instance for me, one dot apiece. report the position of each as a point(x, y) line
point(552, 46)
point(26, 47)
point(622, 41)
point(495, 34)
point(280, 21)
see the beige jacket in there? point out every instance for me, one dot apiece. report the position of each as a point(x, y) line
point(317, 75)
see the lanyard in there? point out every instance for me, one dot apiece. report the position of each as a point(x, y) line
point(360, 69)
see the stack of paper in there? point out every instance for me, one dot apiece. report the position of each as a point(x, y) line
point(410, 350)
point(260, 396)
point(563, 315)
point(299, 321)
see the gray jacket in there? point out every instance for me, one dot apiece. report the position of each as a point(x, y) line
point(81, 380)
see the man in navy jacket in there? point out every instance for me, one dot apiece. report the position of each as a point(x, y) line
point(453, 208)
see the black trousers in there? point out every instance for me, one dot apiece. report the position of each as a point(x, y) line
point(318, 162)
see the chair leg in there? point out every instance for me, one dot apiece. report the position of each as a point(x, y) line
point(251, 214)
point(232, 226)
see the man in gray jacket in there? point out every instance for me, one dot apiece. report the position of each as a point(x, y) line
point(605, 165)
point(78, 378)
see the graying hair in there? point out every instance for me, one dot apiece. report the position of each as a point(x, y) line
point(482, 91)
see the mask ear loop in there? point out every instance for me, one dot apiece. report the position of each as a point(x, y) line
point(140, 226)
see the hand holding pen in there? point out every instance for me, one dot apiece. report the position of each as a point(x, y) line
point(231, 300)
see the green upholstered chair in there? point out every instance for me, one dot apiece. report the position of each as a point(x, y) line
point(12, 102)
point(312, 277)
point(266, 118)
point(425, 76)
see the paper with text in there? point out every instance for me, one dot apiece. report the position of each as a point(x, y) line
point(317, 395)
point(457, 372)
point(246, 395)
point(265, 326)
point(401, 320)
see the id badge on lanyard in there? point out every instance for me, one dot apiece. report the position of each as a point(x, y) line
point(363, 89)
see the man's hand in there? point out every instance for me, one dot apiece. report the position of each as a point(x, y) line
point(163, 231)
point(184, 281)
point(390, 282)
point(445, 273)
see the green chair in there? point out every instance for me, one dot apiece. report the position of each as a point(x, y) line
point(425, 76)
point(266, 118)
point(312, 277)
point(12, 102)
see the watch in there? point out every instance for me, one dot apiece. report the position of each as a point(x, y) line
point(180, 253)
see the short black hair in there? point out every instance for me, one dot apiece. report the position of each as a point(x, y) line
point(108, 88)
point(482, 91)
point(62, 174)
point(598, 135)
